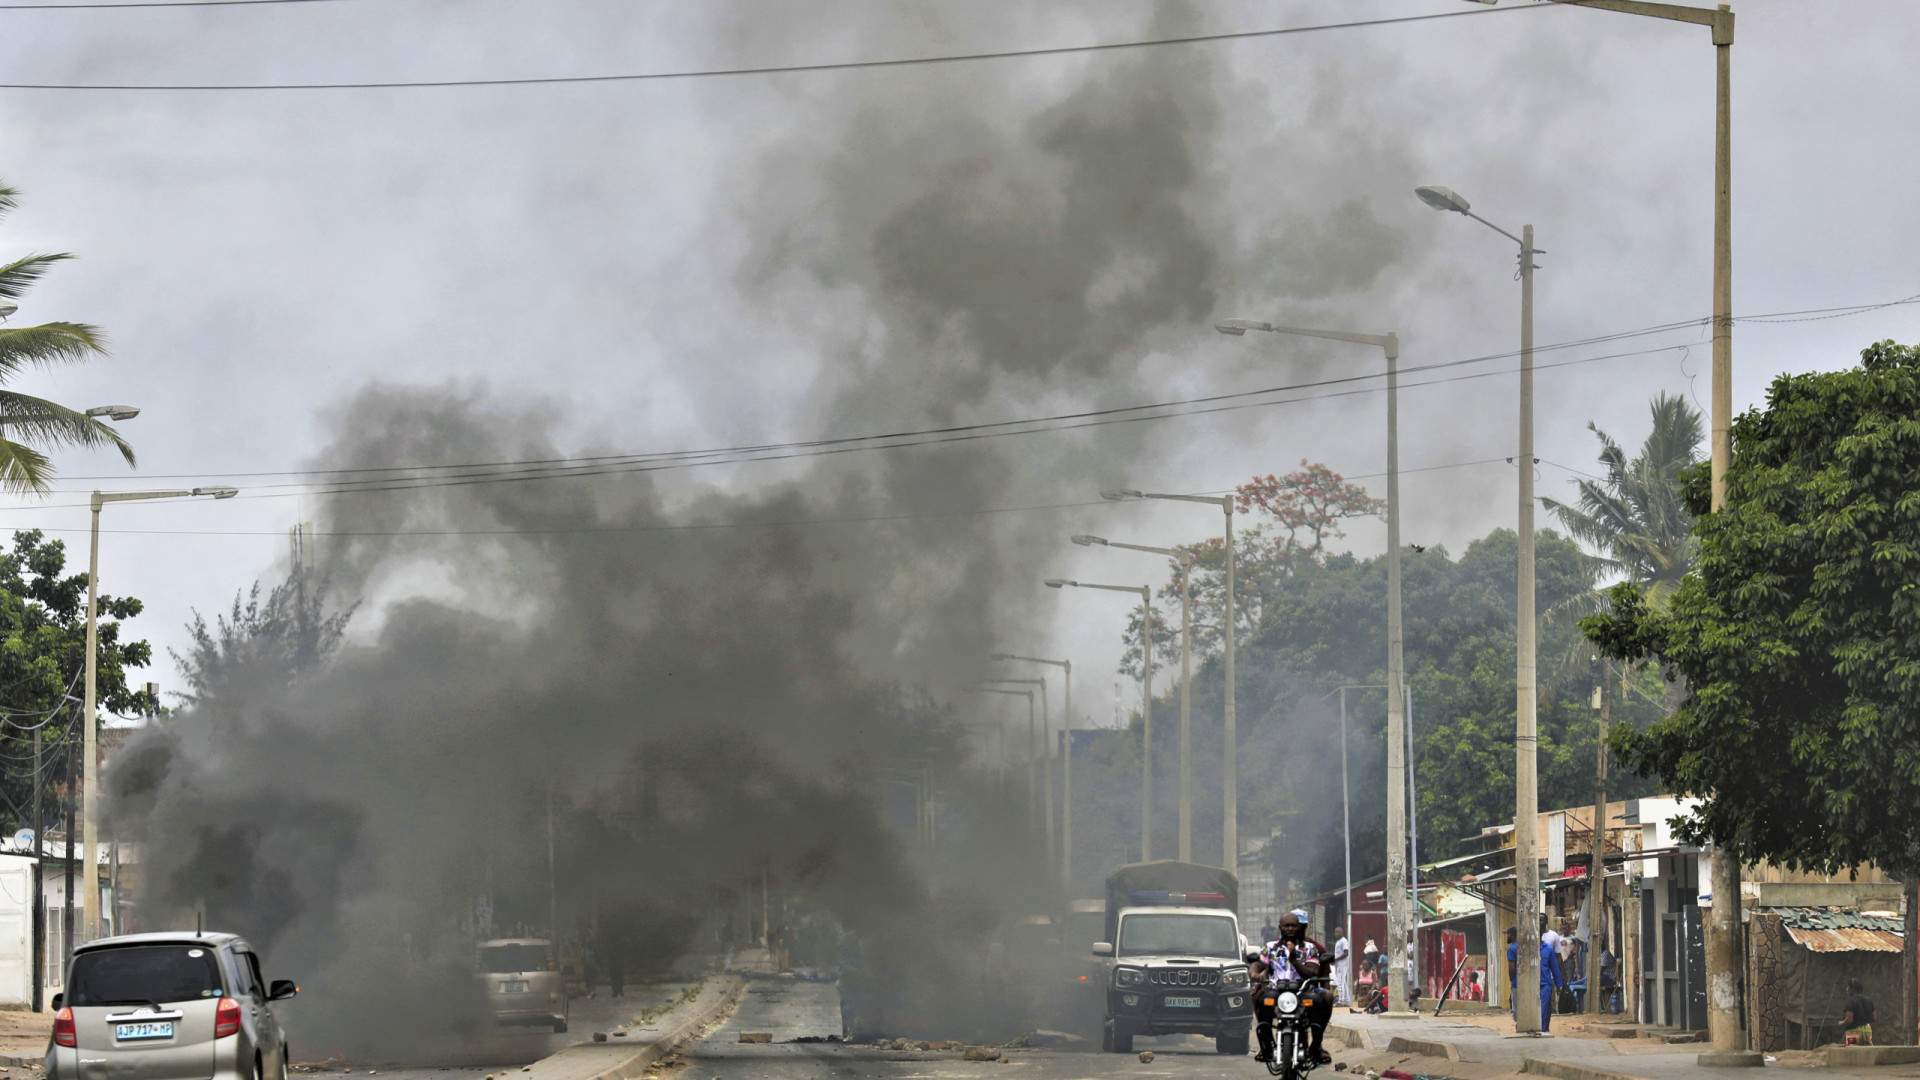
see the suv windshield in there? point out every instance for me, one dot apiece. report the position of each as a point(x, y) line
point(507, 959)
point(1179, 935)
point(143, 974)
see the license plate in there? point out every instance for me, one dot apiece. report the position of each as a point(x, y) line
point(163, 1030)
point(513, 988)
point(1181, 1002)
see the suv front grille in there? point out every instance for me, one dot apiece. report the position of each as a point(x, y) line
point(1184, 977)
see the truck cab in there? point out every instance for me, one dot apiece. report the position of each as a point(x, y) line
point(1173, 966)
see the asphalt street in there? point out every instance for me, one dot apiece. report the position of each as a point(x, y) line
point(505, 1050)
point(792, 1010)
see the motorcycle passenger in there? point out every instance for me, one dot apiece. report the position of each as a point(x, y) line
point(1292, 956)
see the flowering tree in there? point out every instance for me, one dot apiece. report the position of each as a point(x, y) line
point(1295, 516)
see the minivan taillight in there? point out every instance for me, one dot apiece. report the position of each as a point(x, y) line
point(226, 1018)
point(63, 1029)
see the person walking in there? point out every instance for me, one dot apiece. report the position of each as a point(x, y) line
point(1857, 1023)
point(1513, 972)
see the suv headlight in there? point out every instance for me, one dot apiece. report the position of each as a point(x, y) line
point(1128, 976)
point(1234, 977)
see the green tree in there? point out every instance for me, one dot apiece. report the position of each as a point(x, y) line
point(261, 643)
point(1799, 634)
point(1635, 516)
point(33, 424)
point(43, 649)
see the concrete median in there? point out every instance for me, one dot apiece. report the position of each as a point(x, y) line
point(629, 1058)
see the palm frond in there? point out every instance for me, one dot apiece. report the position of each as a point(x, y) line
point(24, 470)
point(20, 275)
point(8, 197)
point(47, 422)
point(48, 344)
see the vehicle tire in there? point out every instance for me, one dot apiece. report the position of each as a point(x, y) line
point(1122, 1037)
point(1285, 1056)
point(1231, 1043)
point(559, 1027)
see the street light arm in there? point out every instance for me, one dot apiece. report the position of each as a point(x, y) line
point(1494, 227)
point(1144, 590)
point(101, 498)
point(1211, 500)
point(1720, 21)
point(1389, 342)
point(1172, 553)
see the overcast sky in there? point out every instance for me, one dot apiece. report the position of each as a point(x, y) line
point(258, 257)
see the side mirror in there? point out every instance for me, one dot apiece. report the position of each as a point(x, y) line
point(281, 988)
point(1103, 948)
point(59, 1002)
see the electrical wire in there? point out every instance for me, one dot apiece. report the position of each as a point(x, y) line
point(782, 69)
point(154, 4)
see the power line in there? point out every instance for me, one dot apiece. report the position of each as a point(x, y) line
point(154, 4)
point(777, 69)
point(381, 474)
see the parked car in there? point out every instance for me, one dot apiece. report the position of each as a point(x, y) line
point(522, 981)
point(169, 1006)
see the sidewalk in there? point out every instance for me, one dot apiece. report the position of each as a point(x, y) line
point(1567, 1058)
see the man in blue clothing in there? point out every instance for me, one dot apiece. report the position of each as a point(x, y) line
point(1551, 979)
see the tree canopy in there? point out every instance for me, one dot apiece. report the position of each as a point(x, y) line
point(1799, 635)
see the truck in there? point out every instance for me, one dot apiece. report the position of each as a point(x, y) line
point(1173, 958)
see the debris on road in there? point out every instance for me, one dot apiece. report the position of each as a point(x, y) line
point(599, 1036)
point(983, 1053)
point(756, 1036)
point(1146, 1057)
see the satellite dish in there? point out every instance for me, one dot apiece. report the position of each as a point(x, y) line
point(23, 838)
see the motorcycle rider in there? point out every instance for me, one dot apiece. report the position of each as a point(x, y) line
point(1292, 955)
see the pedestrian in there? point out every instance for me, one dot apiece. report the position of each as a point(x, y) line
point(1548, 936)
point(1857, 1024)
point(1551, 979)
point(617, 972)
point(1370, 956)
point(1608, 979)
point(1342, 966)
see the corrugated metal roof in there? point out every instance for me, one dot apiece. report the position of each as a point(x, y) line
point(1841, 929)
point(1845, 939)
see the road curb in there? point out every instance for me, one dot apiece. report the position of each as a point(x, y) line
point(1400, 1044)
point(1355, 1038)
point(1570, 1070)
point(12, 1062)
point(609, 1061)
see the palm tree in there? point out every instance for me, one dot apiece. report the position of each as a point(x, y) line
point(27, 420)
point(1634, 518)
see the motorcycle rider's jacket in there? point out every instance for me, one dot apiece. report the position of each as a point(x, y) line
point(1283, 959)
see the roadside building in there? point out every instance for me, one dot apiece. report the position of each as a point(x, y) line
point(1804, 941)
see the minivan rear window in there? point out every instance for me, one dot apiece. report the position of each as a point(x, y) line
point(143, 974)
point(505, 959)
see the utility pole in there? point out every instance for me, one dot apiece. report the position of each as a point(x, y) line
point(39, 885)
point(1596, 872)
point(1526, 815)
point(66, 914)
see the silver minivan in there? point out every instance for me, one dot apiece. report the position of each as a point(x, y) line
point(169, 1006)
point(523, 984)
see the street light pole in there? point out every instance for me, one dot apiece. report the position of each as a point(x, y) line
point(1399, 908)
point(1346, 820)
point(1066, 766)
point(1230, 739)
point(1525, 745)
point(1146, 700)
point(90, 722)
point(1185, 560)
point(1044, 758)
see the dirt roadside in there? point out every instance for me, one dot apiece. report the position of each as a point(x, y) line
point(24, 1034)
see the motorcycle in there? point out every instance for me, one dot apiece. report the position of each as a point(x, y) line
point(1292, 1031)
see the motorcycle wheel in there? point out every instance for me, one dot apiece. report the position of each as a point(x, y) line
point(1285, 1057)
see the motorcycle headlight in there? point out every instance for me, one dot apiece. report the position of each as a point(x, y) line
point(1127, 976)
point(1234, 977)
point(1289, 1002)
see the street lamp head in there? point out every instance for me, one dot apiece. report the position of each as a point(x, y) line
point(1237, 327)
point(217, 492)
point(7, 308)
point(1058, 583)
point(1087, 541)
point(114, 412)
point(1118, 494)
point(1443, 199)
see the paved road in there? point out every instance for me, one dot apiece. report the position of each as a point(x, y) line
point(509, 1048)
point(795, 1010)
